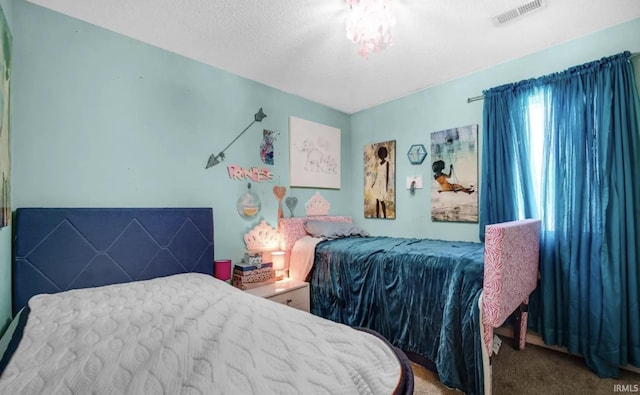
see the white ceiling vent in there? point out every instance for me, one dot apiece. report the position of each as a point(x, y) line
point(518, 11)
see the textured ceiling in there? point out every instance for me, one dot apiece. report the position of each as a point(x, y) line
point(300, 47)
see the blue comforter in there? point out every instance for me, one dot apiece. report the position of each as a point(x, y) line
point(421, 294)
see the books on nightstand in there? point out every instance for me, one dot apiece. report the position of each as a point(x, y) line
point(252, 273)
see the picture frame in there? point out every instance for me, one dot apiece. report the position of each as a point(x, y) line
point(314, 154)
point(454, 165)
point(380, 180)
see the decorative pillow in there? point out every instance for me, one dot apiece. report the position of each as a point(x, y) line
point(333, 230)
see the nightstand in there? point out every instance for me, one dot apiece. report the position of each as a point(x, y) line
point(288, 291)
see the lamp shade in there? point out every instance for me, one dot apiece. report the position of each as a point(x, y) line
point(277, 257)
point(222, 269)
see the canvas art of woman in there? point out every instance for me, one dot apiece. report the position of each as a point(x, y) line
point(381, 182)
point(454, 149)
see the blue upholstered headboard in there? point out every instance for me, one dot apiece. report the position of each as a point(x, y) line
point(57, 249)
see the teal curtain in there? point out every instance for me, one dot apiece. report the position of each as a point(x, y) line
point(586, 190)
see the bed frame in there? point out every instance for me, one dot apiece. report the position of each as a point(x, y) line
point(58, 249)
point(511, 260)
point(102, 246)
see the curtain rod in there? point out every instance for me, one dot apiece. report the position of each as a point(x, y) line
point(481, 97)
point(476, 98)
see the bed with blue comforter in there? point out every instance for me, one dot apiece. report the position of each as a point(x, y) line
point(437, 300)
point(421, 294)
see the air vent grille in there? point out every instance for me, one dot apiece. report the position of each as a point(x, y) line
point(516, 12)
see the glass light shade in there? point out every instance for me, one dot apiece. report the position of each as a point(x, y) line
point(369, 24)
point(277, 257)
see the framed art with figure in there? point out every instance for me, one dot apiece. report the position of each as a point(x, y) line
point(380, 180)
point(454, 162)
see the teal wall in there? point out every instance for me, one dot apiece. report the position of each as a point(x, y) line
point(5, 233)
point(103, 120)
point(412, 119)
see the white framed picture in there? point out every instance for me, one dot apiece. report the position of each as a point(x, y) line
point(314, 154)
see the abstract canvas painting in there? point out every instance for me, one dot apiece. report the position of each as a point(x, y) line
point(380, 180)
point(454, 165)
point(5, 85)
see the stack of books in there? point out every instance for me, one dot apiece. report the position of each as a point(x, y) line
point(251, 273)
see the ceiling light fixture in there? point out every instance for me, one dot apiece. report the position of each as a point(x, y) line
point(369, 24)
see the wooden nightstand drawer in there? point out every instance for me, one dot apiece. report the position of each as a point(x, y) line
point(297, 298)
point(288, 292)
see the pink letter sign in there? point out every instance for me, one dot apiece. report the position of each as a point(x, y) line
point(254, 173)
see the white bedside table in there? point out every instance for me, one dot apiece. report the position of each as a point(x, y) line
point(290, 292)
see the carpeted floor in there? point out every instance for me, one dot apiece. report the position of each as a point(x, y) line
point(537, 370)
point(425, 382)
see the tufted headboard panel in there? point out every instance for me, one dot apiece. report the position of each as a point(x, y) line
point(57, 249)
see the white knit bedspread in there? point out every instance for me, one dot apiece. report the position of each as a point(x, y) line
point(190, 334)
